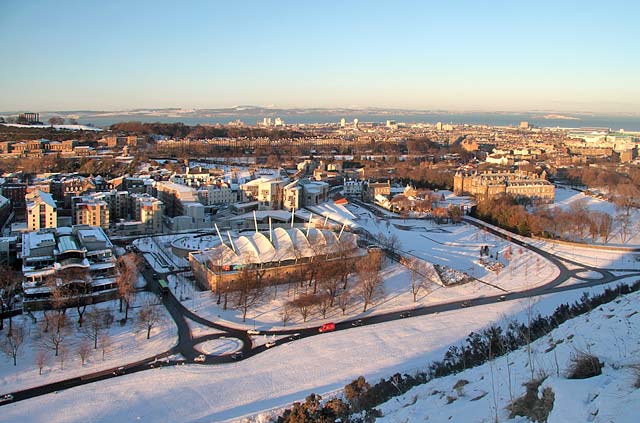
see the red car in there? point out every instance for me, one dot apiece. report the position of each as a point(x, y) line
point(327, 327)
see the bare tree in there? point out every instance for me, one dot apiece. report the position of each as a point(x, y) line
point(247, 292)
point(127, 266)
point(149, 316)
point(62, 356)
point(216, 261)
point(75, 285)
point(370, 281)
point(12, 343)
point(105, 344)
point(84, 350)
point(97, 321)
point(9, 280)
point(42, 359)
point(303, 305)
point(55, 338)
point(323, 303)
point(626, 226)
point(421, 275)
point(329, 280)
point(605, 226)
point(285, 314)
point(344, 301)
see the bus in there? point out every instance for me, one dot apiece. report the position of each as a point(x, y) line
point(164, 286)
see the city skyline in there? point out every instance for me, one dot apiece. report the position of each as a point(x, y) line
point(72, 55)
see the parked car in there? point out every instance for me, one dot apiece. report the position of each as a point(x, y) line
point(502, 297)
point(119, 371)
point(253, 332)
point(465, 304)
point(356, 323)
point(237, 355)
point(327, 327)
point(6, 398)
point(294, 336)
point(200, 359)
point(405, 314)
point(270, 344)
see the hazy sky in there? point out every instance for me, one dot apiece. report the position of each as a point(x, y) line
point(456, 55)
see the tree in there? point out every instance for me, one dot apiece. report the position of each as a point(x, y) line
point(248, 291)
point(355, 393)
point(75, 285)
point(626, 226)
point(421, 275)
point(329, 280)
point(285, 314)
point(344, 301)
point(216, 261)
point(97, 321)
point(149, 316)
point(42, 359)
point(12, 343)
point(605, 226)
point(105, 344)
point(54, 339)
point(303, 305)
point(62, 356)
point(9, 281)
point(56, 120)
point(83, 349)
point(370, 282)
point(127, 267)
point(323, 303)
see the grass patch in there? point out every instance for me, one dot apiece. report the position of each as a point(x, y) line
point(584, 366)
point(530, 405)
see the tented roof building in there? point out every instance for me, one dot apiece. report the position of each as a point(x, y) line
point(285, 245)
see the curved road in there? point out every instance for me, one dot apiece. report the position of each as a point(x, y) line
point(187, 342)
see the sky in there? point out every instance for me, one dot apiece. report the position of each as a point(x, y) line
point(446, 55)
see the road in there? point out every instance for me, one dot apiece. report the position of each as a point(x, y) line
point(186, 344)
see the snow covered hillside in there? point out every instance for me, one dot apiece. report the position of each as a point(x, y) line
point(482, 394)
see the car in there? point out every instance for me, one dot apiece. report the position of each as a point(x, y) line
point(405, 314)
point(294, 336)
point(327, 327)
point(253, 332)
point(200, 359)
point(119, 371)
point(502, 297)
point(270, 344)
point(237, 355)
point(6, 398)
point(356, 323)
point(465, 304)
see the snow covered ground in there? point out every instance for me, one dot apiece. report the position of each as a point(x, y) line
point(566, 197)
point(69, 127)
point(321, 364)
point(608, 332)
point(127, 344)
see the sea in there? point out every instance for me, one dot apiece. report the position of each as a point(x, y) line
point(629, 123)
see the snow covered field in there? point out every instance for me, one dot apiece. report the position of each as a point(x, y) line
point(608, 333)
point(566, 197)
point(277, 377)
point(127, 344)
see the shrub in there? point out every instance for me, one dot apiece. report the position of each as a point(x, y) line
point(530, 405)
point(584, 366)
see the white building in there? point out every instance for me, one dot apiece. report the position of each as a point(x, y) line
point(353, 188)
point(50, 256)
point(42, 211)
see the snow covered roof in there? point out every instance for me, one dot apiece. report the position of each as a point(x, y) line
point(287, 244)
